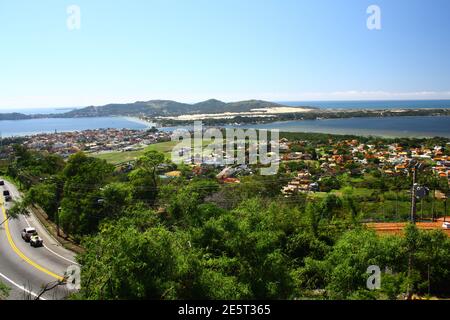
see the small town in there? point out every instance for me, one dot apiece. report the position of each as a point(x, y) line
point(355, 158)
point(94, 141)
point(330, 159)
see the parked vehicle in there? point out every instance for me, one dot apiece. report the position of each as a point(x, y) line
point(2, 183)
point(446, 225)
point(7, 195)
point(36, 241)
point(27, 233)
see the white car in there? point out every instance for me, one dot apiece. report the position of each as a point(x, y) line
point(27, 233)
point(446, 225)
point(36, 241)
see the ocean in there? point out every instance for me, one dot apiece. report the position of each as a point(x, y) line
point(379, 104)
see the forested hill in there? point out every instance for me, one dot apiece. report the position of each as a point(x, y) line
point(170, 108)
point(14, 116)
point(153, 108)
point(161, 108)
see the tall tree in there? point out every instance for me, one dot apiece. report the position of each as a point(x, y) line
point(81, 206)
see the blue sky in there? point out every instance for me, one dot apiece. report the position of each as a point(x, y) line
point(191, 50)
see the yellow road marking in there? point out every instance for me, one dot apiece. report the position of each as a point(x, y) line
point(20, 254)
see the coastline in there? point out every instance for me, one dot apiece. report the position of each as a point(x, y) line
point(390, 127)
point(140, 121)
point(31, 127)
point(427, 126)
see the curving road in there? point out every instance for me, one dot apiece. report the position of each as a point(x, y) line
point(27, 270)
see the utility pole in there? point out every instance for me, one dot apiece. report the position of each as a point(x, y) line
point(413, 221)
point(413, 196)
point(446, 196)
point(57, 221)
point(59, 191)
point(445, 208)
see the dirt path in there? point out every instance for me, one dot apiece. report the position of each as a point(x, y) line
point(397, 227)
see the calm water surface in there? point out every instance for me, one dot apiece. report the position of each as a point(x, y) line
point(390, 127)
point(9, 128)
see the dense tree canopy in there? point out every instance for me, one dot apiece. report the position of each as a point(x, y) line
point(82, 202)
point(193, 237)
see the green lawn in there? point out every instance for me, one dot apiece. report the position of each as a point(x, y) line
point(117, 157)
point(120, 156)
point(358, 192)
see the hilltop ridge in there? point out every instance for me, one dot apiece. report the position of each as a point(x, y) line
point(154, 108)
point(172, 108)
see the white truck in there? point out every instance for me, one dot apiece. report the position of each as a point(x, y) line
point(27, 233)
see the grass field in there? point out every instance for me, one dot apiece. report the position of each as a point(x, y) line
point(121, 156)
point(117, 157)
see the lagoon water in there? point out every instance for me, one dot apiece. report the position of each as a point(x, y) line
point(388, 127)
point(9, 128)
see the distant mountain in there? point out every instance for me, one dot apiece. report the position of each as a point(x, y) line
point(14, 116)
point(168, 108)
point(149, 108)
point(244, 106)
point(216, 106)
point(153, 108)
point(211, 104)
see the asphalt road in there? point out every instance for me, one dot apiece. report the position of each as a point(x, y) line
point(27, 270)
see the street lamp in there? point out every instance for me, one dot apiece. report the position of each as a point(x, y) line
point(413, 194)
point(57, 221)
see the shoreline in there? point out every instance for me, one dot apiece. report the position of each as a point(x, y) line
point(138, 120)
point(309, 126)
point(386, 129)
point(27, 125)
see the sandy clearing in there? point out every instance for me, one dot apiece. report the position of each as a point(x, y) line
point(264, 112)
